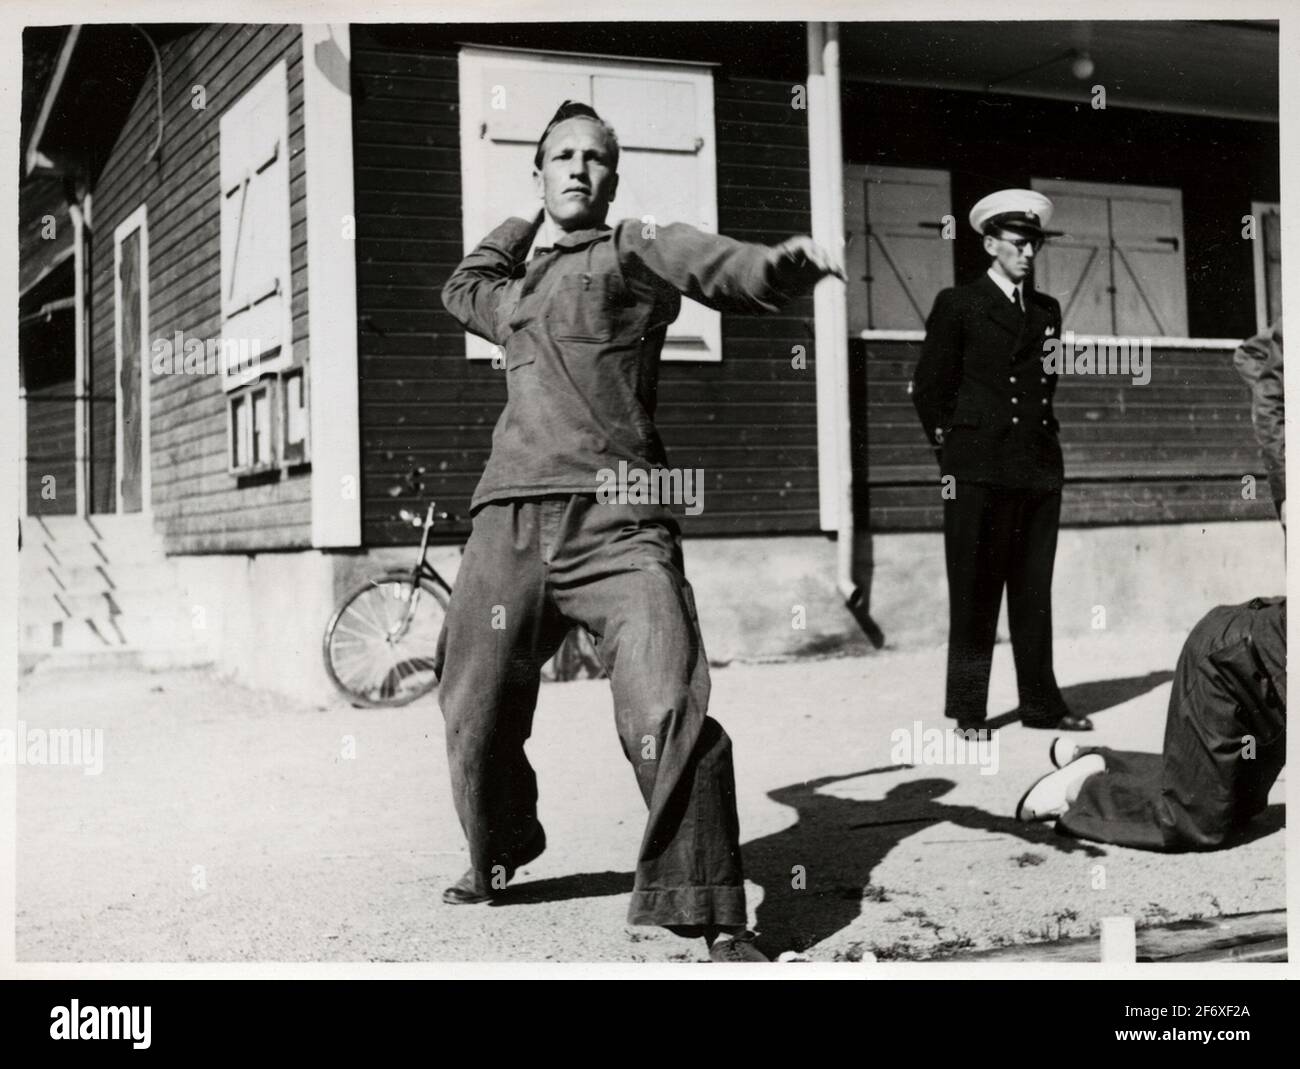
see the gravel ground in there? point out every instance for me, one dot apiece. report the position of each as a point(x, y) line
point(232, 825)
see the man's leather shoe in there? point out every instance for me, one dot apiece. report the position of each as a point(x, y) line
point(469, 890)
point(1062, 721)
point(976, 725)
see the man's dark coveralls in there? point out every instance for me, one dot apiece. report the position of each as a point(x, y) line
point(981, 383)
point(1225, 742)
point(581, 326)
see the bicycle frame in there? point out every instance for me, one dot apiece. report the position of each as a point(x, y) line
point(422, 570)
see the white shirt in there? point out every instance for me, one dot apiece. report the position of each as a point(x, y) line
point(1013, 290)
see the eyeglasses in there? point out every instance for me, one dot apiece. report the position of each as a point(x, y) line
point(1020, 244)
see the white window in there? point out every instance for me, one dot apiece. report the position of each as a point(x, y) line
point(256, 302)
point(1268, 262)
point(1117, 267)
point(252, 434)
point(293, 389)
point(897, 257)
point(663, 115)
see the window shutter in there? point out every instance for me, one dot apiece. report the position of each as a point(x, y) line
point(663, 179)
point(255, 226)
point(1075, 267)
point(664, 121)
point(1269, 238)
point(898, 257)
point(1150, 279)
point(1126, 237)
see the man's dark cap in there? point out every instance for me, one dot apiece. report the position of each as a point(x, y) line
point(570, 109)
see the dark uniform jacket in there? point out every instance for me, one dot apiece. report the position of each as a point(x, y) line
point(981, 389)
point(582, 325)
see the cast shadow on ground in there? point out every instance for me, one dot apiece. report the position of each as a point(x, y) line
point(564, 888)
point(1272, 819)
point(837, 842)
point(1088, 699)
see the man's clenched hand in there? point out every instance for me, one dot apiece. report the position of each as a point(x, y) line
point(803, 261)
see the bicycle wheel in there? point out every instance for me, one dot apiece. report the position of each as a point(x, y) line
point(380, 642)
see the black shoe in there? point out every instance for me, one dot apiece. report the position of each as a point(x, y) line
point(1062, 721)
point(469, 890)
point(967, 726)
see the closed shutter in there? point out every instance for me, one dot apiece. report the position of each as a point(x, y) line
point(898, 257)
point(1075, 267)
point(1268, 263)
point(1150, 279)
point(256, 304)
point(1117, 266)
point(663, 117)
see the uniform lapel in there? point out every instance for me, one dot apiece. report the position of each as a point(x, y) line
point(999, 309)
point(1037, 320)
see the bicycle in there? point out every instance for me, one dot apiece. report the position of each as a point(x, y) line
point(379, 643)
point(379, 656)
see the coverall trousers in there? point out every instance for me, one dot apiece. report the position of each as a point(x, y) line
point(1225, 742)
point(534, 566)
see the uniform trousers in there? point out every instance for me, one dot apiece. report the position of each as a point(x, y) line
point(532, 568)
point(995, 537)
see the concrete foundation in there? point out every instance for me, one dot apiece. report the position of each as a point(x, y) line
point(769, 598)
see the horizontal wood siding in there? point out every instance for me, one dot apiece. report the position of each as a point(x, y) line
point(51, 447)
point(1173, 450)
point(749, 421)
point(198, 505)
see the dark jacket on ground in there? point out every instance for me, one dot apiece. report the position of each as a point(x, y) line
point(1225, 742)
point(981, 383)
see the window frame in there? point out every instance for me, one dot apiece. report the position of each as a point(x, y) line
point(1258, 209)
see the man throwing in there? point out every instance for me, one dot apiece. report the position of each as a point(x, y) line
point(581, 325)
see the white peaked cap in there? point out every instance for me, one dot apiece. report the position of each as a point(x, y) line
point(1015, 208)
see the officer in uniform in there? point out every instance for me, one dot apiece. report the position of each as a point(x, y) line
point(985, 401)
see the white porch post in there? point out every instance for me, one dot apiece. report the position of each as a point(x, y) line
point(331, 287)
point(826, 182)
point(81, 365)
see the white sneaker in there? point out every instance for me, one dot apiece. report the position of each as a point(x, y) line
point(1047, 799)
point(1062, 751)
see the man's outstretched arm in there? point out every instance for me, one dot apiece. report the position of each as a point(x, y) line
point(720, 272)
point(473, 292)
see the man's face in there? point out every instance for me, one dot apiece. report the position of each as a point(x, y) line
point(1013, 254)
point(577, 181)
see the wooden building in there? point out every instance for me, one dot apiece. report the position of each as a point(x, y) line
point(255, 360)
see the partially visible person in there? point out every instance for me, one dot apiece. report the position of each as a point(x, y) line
point(1259, 362)
point(1224, 746)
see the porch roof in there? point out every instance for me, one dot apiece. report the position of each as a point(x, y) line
point(1224, 69)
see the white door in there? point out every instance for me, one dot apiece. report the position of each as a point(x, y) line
point(131, 349)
